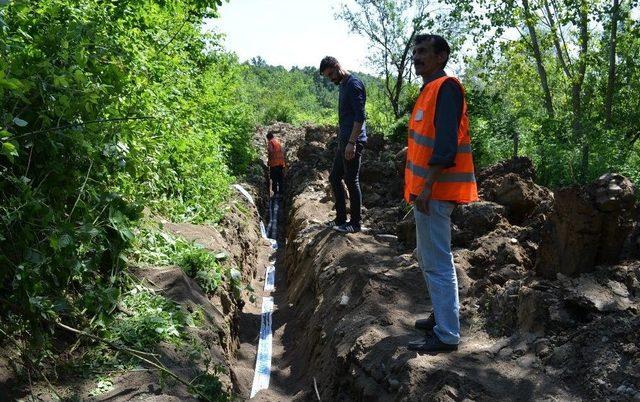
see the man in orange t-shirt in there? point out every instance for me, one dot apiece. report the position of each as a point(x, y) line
point(275, 154)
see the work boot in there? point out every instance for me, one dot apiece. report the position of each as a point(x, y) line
point(333, 224)
point(348, 228)
point(426, 324)
point(431, 344)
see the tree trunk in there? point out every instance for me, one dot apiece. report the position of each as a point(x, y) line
point(556, 41)
point(584, 168)
point(538, 56)
point(576, 89)
point(608, 103)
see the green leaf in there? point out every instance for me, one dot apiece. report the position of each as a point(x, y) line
point(9, 149)
point(4, 133)
point(26, 35)
point(19, 122)
point(12, 84)
point(65, 240)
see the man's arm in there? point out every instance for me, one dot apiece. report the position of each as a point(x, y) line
point(355, 132)
point(447, 120)
point(358, 100)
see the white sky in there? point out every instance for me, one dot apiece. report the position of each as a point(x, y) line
point(289, 33)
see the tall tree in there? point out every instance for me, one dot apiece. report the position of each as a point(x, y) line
point(608, 104)
point(391, 27)
point(575, 56)
point(537, 54)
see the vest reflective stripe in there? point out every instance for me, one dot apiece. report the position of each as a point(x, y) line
point(445, 177)
point(431, 142)
point(275, 154)
point(417, 170)
point(457, 183)
point(422, 140)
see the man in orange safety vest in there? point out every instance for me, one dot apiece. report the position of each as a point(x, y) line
point(439, 174)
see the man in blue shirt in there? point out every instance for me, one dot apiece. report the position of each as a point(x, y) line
point(352, 136)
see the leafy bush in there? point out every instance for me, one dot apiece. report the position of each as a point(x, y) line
point(203, 267)
point(105, 107)
point(149, 319)
point(155, 247)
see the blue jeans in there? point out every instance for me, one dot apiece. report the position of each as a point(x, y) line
point(433, 237)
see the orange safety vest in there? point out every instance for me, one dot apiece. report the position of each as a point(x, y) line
point(457, 183)
point(276, 155)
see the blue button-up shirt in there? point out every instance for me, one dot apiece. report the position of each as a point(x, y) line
point(351, 105)
point(448, 113)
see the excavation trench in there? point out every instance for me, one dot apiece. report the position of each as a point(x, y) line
point(549, 285)
point(345, 304)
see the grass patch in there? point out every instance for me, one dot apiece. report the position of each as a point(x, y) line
point(155, 247)
point(147, 320)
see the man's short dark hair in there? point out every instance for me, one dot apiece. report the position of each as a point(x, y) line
point(438, 43)
point(327, 62)
point(269, 136)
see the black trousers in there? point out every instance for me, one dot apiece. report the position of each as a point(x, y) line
point(276, 173)
point(349, 171)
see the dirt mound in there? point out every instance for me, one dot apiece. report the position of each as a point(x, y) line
point(588, 226)
point(522, 167)
point(237, 236)
point(526, 336)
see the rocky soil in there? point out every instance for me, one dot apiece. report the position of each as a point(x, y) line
point(549, 284)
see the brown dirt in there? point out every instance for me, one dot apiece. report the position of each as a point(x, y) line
point(350, 300)
point(549, 285)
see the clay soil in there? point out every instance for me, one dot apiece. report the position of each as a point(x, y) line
point(534, 326)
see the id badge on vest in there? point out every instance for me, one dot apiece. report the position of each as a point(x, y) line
point(419, 115)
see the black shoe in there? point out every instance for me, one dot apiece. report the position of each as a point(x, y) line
point(431, 344)
point(333, 224)
point(348, 228)
point(426, 324)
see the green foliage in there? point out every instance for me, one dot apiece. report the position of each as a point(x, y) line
point(106, 107)
point(492, 130)
point(293, 96)
point(203, 267)
point(143, 320)
point(155, 247)
point(571, 139)
point(149, 319)
point(209, 384)
point(103, 385)
point(298, 96)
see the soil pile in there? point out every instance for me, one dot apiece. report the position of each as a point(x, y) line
point(549, 310)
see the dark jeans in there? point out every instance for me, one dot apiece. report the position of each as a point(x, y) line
point(349, 171)
point(276, 174)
